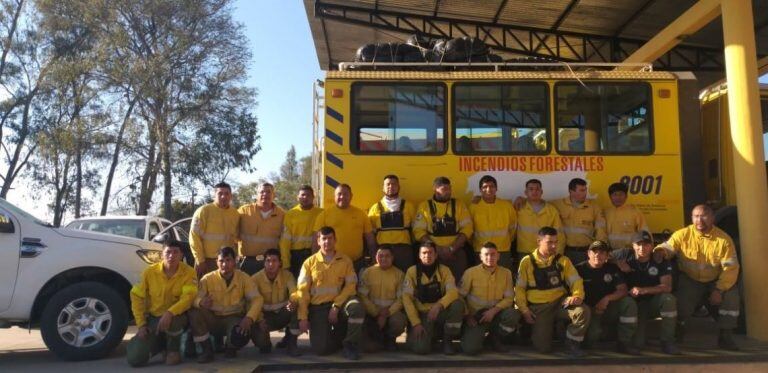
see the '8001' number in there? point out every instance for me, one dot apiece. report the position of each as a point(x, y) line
point(642, 184)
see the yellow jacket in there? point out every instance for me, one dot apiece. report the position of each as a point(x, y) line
point(350, 225)
point(379, 288)
point(622, 222)
point(322, 281)
point(258, 234)
point(495, 222)
point(413, 306)
point(298, 226)
point(213, 228)
point(402, 236)
point(582, 224)
point(422, 224)
point(483, 289)
point(529, 222)
point(241, 297)
point(155, 293)
point(525, 291)
point(276, 293)
point(705, 257)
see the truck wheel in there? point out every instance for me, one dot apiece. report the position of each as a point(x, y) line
point(84, 321)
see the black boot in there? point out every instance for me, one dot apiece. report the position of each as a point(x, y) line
point(284, 342)
point(670, 348)
point(390, 344)
point(448, 347)
point(726, 341)
point(206, 356)
point(626, 348)
point(351, 352)
point(573, 349)
point(497, 343)
point(190, 350)
point(291, 344)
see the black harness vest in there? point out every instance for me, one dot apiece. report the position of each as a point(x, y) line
point(446, 225)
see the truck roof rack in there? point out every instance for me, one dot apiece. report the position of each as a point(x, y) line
point(489, 66)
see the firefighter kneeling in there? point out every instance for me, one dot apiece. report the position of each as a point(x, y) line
point(227, 304)
point(431, 300)
point(490, 298)
point(548, 287)
point(379, 291)
point(276, 286)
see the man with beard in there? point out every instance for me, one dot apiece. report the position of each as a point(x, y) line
point(391, 219)
point(214, 226)
point(446, 222)
point(583, 220)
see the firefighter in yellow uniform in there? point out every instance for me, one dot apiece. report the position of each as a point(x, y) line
point(326, 292)
point(277, 286)
point(260, 226)
point(214, 226)
point(446, 222)
point(622, 220)
point(534, 214)
point(583, 221)
point(351, 224)
point(159, 303)
point(380, 291)
point(549, 287)
point(227, 304)
point(494, 220)
point(489, 294)
point(391, 219)
point(709, 269)
point(298, 227)
point(431, 300)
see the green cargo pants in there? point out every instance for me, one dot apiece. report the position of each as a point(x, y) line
point(503, 323)
point(140, 350)
point(664, 305)
point(325, 338)
point(691, 293)
point(395, 326)
point(275, 320)
point(449, 318)
point(204, 323)
point(620, 314)
point(547, 313)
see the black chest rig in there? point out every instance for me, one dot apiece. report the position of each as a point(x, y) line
point(445, 225)
point(392, 220)
point(548, 277)
point(430, 292)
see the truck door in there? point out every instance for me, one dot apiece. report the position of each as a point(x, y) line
point(9, 256)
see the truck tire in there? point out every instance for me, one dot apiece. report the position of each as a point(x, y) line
point(84, 321)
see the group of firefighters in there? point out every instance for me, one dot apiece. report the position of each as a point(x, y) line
point(259, 269)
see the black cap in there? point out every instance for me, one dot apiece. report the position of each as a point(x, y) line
point(599, 246)
point(642, 236)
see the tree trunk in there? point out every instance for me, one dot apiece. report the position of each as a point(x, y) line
point(165, 150)
point(15, 164)
point(116, 157)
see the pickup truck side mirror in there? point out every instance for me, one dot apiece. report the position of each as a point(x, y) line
point(161, 238)
point(6, 224)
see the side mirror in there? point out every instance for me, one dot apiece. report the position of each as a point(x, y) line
point(6, 224)
point(160, 238)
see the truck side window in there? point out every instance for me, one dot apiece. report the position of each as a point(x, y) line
point(6, 224)
point(154, 229)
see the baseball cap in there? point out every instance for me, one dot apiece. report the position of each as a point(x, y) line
point(642, 236)
point(599, 246)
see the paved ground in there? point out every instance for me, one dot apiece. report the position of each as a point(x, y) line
point(21, 350)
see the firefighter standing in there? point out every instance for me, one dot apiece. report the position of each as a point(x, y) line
point(276, 285)
point(549, 287)
point(606, 295)
point(494, 220)
point(534, 214)
point(431, 300)
point(583, 221)
point(159, 303)
point(326, 294)
point(391, 218)
point(446, 222)
point(709, 269)
point(260, 226)
point(379, 290)
point(227, 303)
point(622, 220)
point(489, 295)
point(297, 236)
point(650, 284)
point(214, 226)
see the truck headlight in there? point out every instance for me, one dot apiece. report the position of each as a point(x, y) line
point(150, 256)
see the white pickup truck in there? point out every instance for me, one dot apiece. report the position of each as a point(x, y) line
point(73, 285)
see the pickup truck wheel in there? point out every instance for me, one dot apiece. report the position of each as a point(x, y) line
point(84, 321)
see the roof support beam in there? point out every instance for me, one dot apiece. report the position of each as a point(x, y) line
point(696, 17)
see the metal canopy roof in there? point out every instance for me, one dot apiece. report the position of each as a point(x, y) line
point(565, 30)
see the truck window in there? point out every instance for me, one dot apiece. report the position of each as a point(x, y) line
point(603, 118)
point(500, 118)
point(398, 118)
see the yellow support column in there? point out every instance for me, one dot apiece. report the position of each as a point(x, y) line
point(748, 158)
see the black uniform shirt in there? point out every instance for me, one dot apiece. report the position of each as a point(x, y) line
point(599, 282)
point(642, 275)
